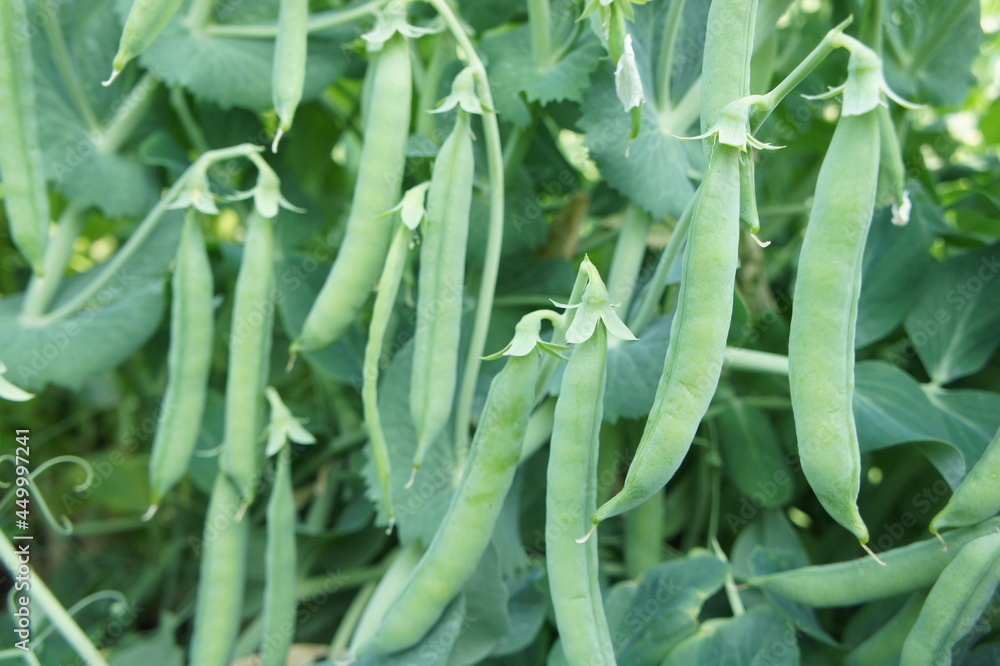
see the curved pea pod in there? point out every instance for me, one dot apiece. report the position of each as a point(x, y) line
point(146, 20)
point(369, 229)
point(728, 48)
point(821, 341)
point(442, 276)
point(906, 569)
point(249, 357)
point(289, 72)
point(221, 578)
point(280, 566)
point(570, 497)
point(956, 601)
point(21, 170)
point(189, 362)
point(467, 527)
point(885, 644)
point(697, 336)
point(978, 496)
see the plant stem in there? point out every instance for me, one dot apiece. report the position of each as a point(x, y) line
point(200, 14)
point(188, 123)
point(42, 595)
point(541, 36)
point(626, 262)
point(494, 242)
point(130, 112)
point(668, 44)
point(318, 22)
point(751, 360)
point(429, 84)
point(57, 254)
point(342, 637)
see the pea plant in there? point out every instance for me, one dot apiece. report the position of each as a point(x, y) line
point(454, 332)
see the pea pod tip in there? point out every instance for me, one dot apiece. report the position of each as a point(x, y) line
point(111, 79)
point(150, 512)
point(872, 554)
point(586, 537)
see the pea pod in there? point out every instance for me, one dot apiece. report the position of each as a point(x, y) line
point(146, 20)
point(249, 358)
point(821, 341)
point(442, 276)
point(978, 496)
point(729, 40)
point(369, 229)
point(221, 578)
point(956, 601)
point(23, 175)
point(280, 566)
point(289, 72)
point(906, 569)
point(188, 363)
point(465, 532)
point(885, 644)
point(570, 497)
point(697, 336)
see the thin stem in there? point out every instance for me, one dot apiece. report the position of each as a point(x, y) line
point(517, 145)
point(653, 292)
point(57, 254)
point(430, 83)
point(751, 360)
point(494, 242)
point(67, 72)
point(342, 637)
point(626, 262)
point(42, 595)
point(816, 56)
point(200, 14)
point(145, 228)
point(188, 123)
point(665, 70)
point(132, 110)
point(318, 22)
point(541, 36)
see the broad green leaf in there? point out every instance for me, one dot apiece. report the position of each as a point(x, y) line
point(760, 635)
point(930, 48)
point(954, 323)
point(977, 212)
point(754, 458)
point(650, 615)
point(634, 371)
point(526, 610)
point(970, 417)
point(895, 262)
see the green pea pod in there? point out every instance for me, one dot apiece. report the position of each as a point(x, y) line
point(821, 341)
point(404, 561)
point(442, 276)
point(570, 497)
point(146, 20)
point(21, 167)
point(748, 196)
point(906, 569)
point(467, 527)
point(221, 578)
point(892, 171)
point(697, 336)
point(188, 363)
point(369, 229)
point(885, 644)
point(289, 73)
point(280, 566)
point(728, 46)
point(956, 601)
point(249, 357)
point(978, 496)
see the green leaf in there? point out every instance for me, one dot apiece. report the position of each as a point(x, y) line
point(486, 601)
point(634, 371)
point(953, 325)
point(649, 616)
point(971, 418)
point(760, 635)
point(930, 51)
point(234, 71)
point(754, 458)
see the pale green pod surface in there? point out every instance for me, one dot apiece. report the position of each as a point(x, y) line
point(188, 363)
point(21, 170)
point(570, 498)
point(221, 578)
point(404, 561)
point(697, 336)
point(728, 49)
point(442, 277)
point(249, 356)
point(955, 603)
point(978, 496)
point(907, 569)
point(465, 531)
point(281, 566)
point(885, 644)
point(821, 341)
point(369, 229)
point(146, 20)
point(290, 60)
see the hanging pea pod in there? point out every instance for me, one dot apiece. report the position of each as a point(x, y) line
point(978, 496)
point(280, 566)
point(289, 63)
point(21, 170)
point(146, 20)
point(188, 363)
